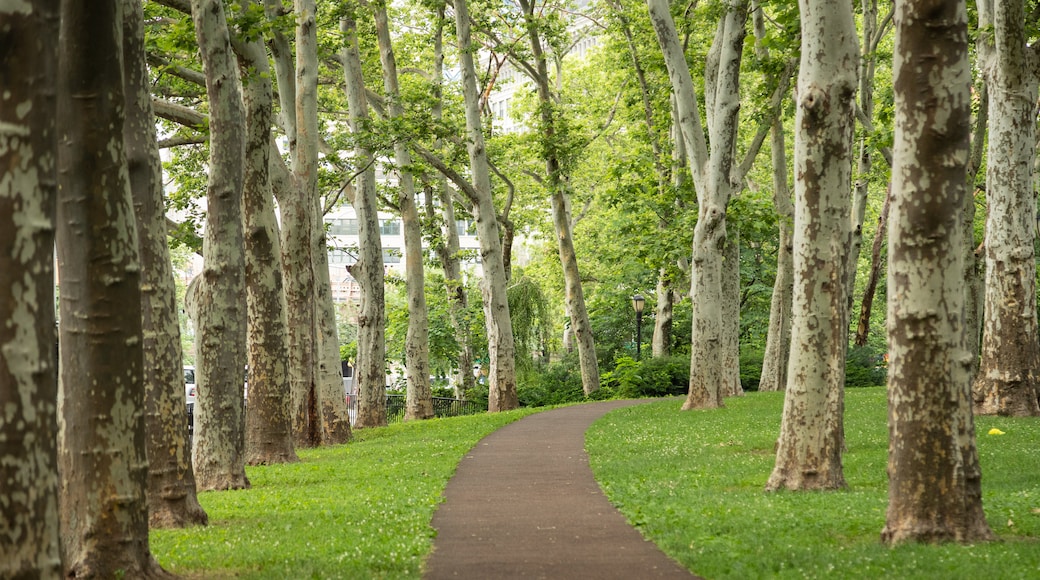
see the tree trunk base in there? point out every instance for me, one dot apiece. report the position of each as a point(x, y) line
point(1009, 398)
point(929, 532)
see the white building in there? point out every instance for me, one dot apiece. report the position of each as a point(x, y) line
point(343, 247)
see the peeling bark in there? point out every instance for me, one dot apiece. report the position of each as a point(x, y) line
point(102, 447)
point(28, 368)
point(812, 435)
point(934, 476)
point(172, 501)
point(219, 438)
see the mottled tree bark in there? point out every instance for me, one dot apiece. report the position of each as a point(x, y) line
point(812, 434)
point(1009, 372)
point(28, 367)
point(731, 315)
point(102, 448)
point(934, 477)
point(717, 176)
point(501, 349)
point(778, 338)
point(368, 270)
point(219, 438)
point(268, 427)
point(172, 502)
point(418, 395)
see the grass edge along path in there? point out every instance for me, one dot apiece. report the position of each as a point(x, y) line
point(360, 510)
point(693, 482)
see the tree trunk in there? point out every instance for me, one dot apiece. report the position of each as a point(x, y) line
point(419, 396)
point(172, 502)
point(447, 247)
point(731, 316)
point(934, 476)
point(103, 462)
point(1010, 367)
point(811, 433)
point(661, 342)
point(219, 438)
point(501, 349)
point(334, 415)
point(574, 296)
point(714, 178)
point(368, 270)
point(268, 427)
point(28, 368)
point(876, 266)
point(864, 160)
point(778, 339)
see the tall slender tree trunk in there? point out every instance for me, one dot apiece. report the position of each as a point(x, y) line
point(28, 364)
point(556, 173)
point(934, 476)
point(268, 427)
point(172, 502)
point(447, 248)
point(103, 461)
point(219, 438)
point(419, 396)
point(778, 338)
point(501, 348)
point(812, 434)
point(368, 270)
point(876, 267)
point(1009, 372)
point(731, 315)
point(715, 180)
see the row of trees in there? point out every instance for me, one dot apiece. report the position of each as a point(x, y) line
point(259, 90)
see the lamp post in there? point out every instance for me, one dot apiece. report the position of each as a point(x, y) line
point(637, 305)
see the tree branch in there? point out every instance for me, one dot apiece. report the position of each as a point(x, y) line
point(180, 114)
point(196, 139)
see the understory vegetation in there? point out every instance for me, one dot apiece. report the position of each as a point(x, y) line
point(693, 483)
point(690, 481)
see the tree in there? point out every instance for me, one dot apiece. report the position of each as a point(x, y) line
point(368, 270)
point(219, 448)
point(172, 501)
point(419, 397)
point(717, 177)
point(812, 435)
point(501, 347)
point(1009, 373)
point(554, 149)
point(934, 475)
point(28, 368)
point(268, 426)
point(778, 339)
point(102, 450)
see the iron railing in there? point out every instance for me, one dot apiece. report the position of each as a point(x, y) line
point(442, 407)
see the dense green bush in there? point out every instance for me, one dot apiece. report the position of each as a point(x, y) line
point(655, 377)
point(750, 368)
point(865, 367)
point(553, 384)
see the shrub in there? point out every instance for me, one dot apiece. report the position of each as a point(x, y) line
point(865, 367)
point(751, 368)
point(656, 377)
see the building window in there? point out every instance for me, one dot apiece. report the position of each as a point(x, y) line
point(465, 227)
point(343, 227)
point(391, 256)
point(390, 228)
point(338, 256)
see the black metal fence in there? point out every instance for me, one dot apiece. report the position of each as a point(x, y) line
point(442, 407)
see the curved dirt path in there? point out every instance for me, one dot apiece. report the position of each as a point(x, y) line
point(524, 504)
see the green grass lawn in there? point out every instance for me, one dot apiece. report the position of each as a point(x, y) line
point(693, 483)
point(361, 510)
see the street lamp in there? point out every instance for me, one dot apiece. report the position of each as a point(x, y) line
point(637, 304)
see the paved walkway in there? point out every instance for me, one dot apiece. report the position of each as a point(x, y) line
point(523, 504)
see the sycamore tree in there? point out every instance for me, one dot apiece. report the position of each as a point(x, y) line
point(102, 449)
point(935, 491)
point(28, 363)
